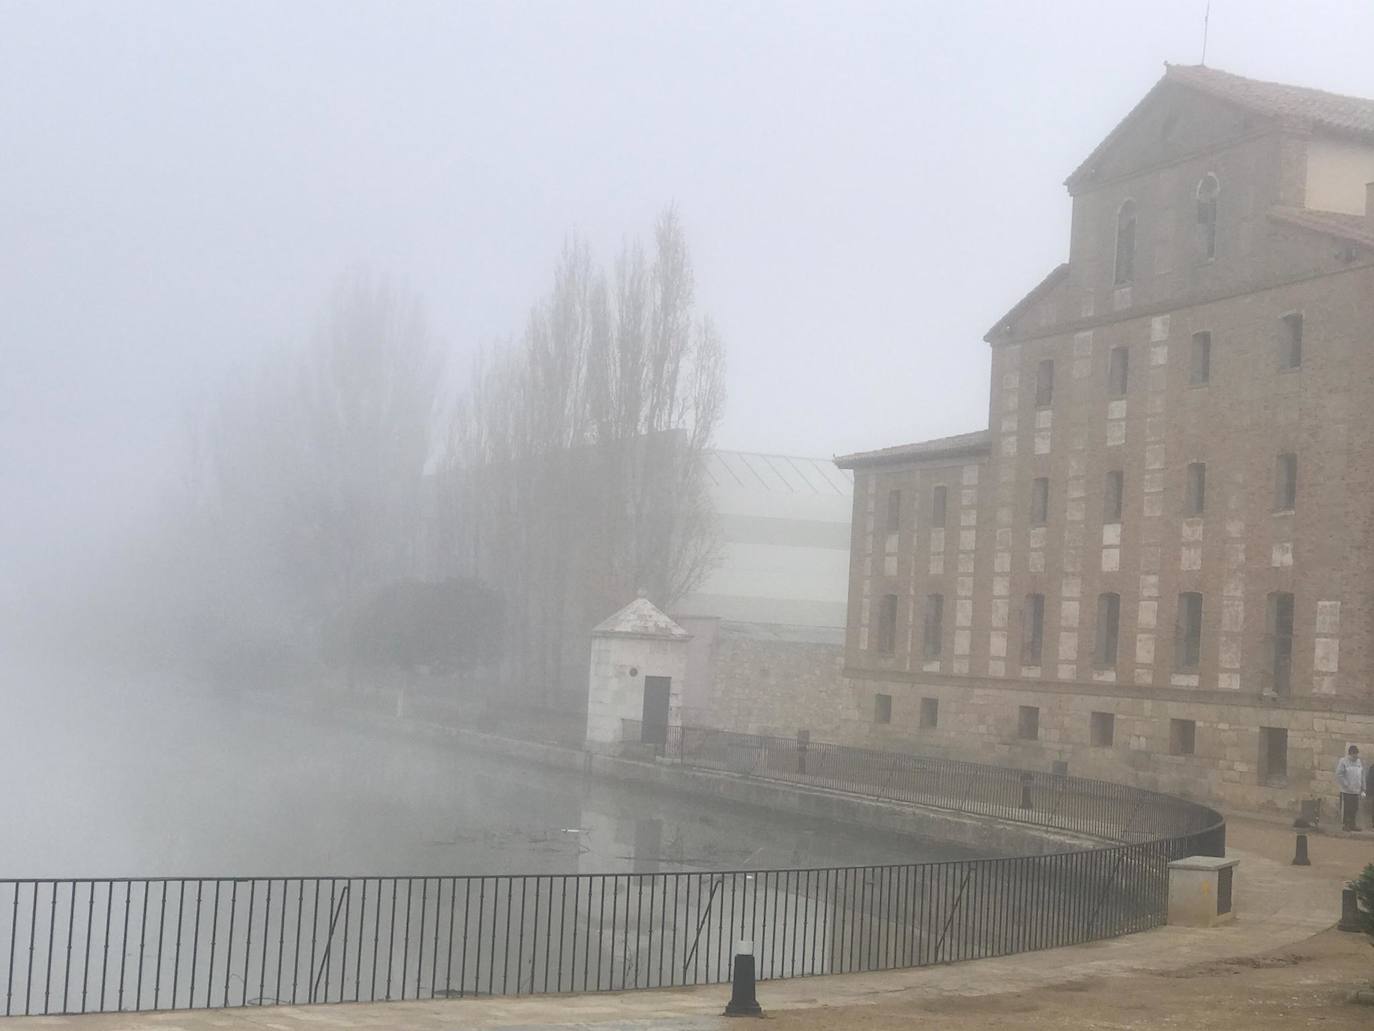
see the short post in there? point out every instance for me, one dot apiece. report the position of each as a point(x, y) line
point(1026, 791)
point(742, 1002)
point(803, 739)
point(1350, 911)
point(1300, 856)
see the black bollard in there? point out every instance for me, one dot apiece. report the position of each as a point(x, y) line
point(1300, 857)
point(1350, 911)
point(742, 1002)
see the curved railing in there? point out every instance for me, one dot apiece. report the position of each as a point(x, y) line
point(98, 945)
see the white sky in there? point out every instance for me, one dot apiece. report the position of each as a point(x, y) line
point(866, 188)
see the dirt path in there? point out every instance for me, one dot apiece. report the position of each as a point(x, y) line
point(1300, 987)
point(1303, 986)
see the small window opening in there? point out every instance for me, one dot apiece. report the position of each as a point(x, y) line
point(882, 708)
point(887, 624)
point(1040, 501)
point(1273, 757)
point(1108, 627)
point(1278, 633)
point(1208, 192)
point(937, 506)
point(1032, 629)
point(1290, 342)
point(1125, 243)
point(1112, 496)
point(1028, 723)
point(1200, 371)
point(1118, 371)
point(1044, 383)
point(1286, 482)
point(1182, 737)
point(934, 629)
point(1102, 729)
point(1188, 631)
point(930, 713)
point(1195, 499)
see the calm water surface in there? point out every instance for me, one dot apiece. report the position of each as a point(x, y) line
point(122, 778)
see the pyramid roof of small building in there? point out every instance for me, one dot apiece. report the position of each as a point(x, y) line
point(640, 618)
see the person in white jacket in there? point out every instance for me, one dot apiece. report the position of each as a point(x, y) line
point(1350, 780)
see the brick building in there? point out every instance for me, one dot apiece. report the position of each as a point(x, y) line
point(1157, 563)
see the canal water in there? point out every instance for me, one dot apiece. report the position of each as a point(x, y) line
point(130, 778)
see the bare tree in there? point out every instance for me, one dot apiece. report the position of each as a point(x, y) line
point(308, 487)
point(574, 472)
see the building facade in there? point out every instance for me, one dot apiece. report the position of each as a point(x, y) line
point(767, 622)
point(1156, 564)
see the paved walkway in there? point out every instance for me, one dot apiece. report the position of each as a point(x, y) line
point(1276, 904)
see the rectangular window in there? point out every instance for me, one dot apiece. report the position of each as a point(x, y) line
point(1200, 371)
point(1273, 756)
point(1032, 629)
point(1182, 737)
point(1195, 494)
point(937, 506)
point(882, 708)
point(1102, 729)
point(1108, 626)
point(1044, 383)
point(934, 630)
point(1278, 638)
point(1118, 371)
point(1290, 341)
point(894, 511)
point(930, 713)
point(1028, 723)
point(1040, 501)
point(887, 624)
point(1188, 631)
point(1113, 491)
point(1286, 483)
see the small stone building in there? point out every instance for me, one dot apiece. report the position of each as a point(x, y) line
point(638, 669)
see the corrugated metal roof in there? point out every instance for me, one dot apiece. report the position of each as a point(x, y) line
point(780, 474)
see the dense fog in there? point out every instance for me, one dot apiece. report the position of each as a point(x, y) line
point(354, 350)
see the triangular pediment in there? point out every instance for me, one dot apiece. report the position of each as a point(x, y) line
point(1173, 121)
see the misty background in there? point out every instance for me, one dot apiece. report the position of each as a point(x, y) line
point(865, 188)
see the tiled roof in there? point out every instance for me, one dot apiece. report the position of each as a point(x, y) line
point(1057, 275)
point(1294, 105)
point(941, 447)
point(1355, 228)
point(640, 618)
point(1354, 115)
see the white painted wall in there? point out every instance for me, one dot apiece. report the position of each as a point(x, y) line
point(614, 694)
point(1337, 171)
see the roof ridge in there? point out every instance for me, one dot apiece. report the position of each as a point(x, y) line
point(1205, 71)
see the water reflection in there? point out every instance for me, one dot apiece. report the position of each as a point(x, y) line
point(135, 779)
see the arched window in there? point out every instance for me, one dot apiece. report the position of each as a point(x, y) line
point(1208, 190)
point(1125, 243)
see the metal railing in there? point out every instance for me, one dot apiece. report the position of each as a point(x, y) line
point(1076, 805)
point(127, 944)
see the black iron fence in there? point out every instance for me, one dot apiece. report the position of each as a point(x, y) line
point(77, 946)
